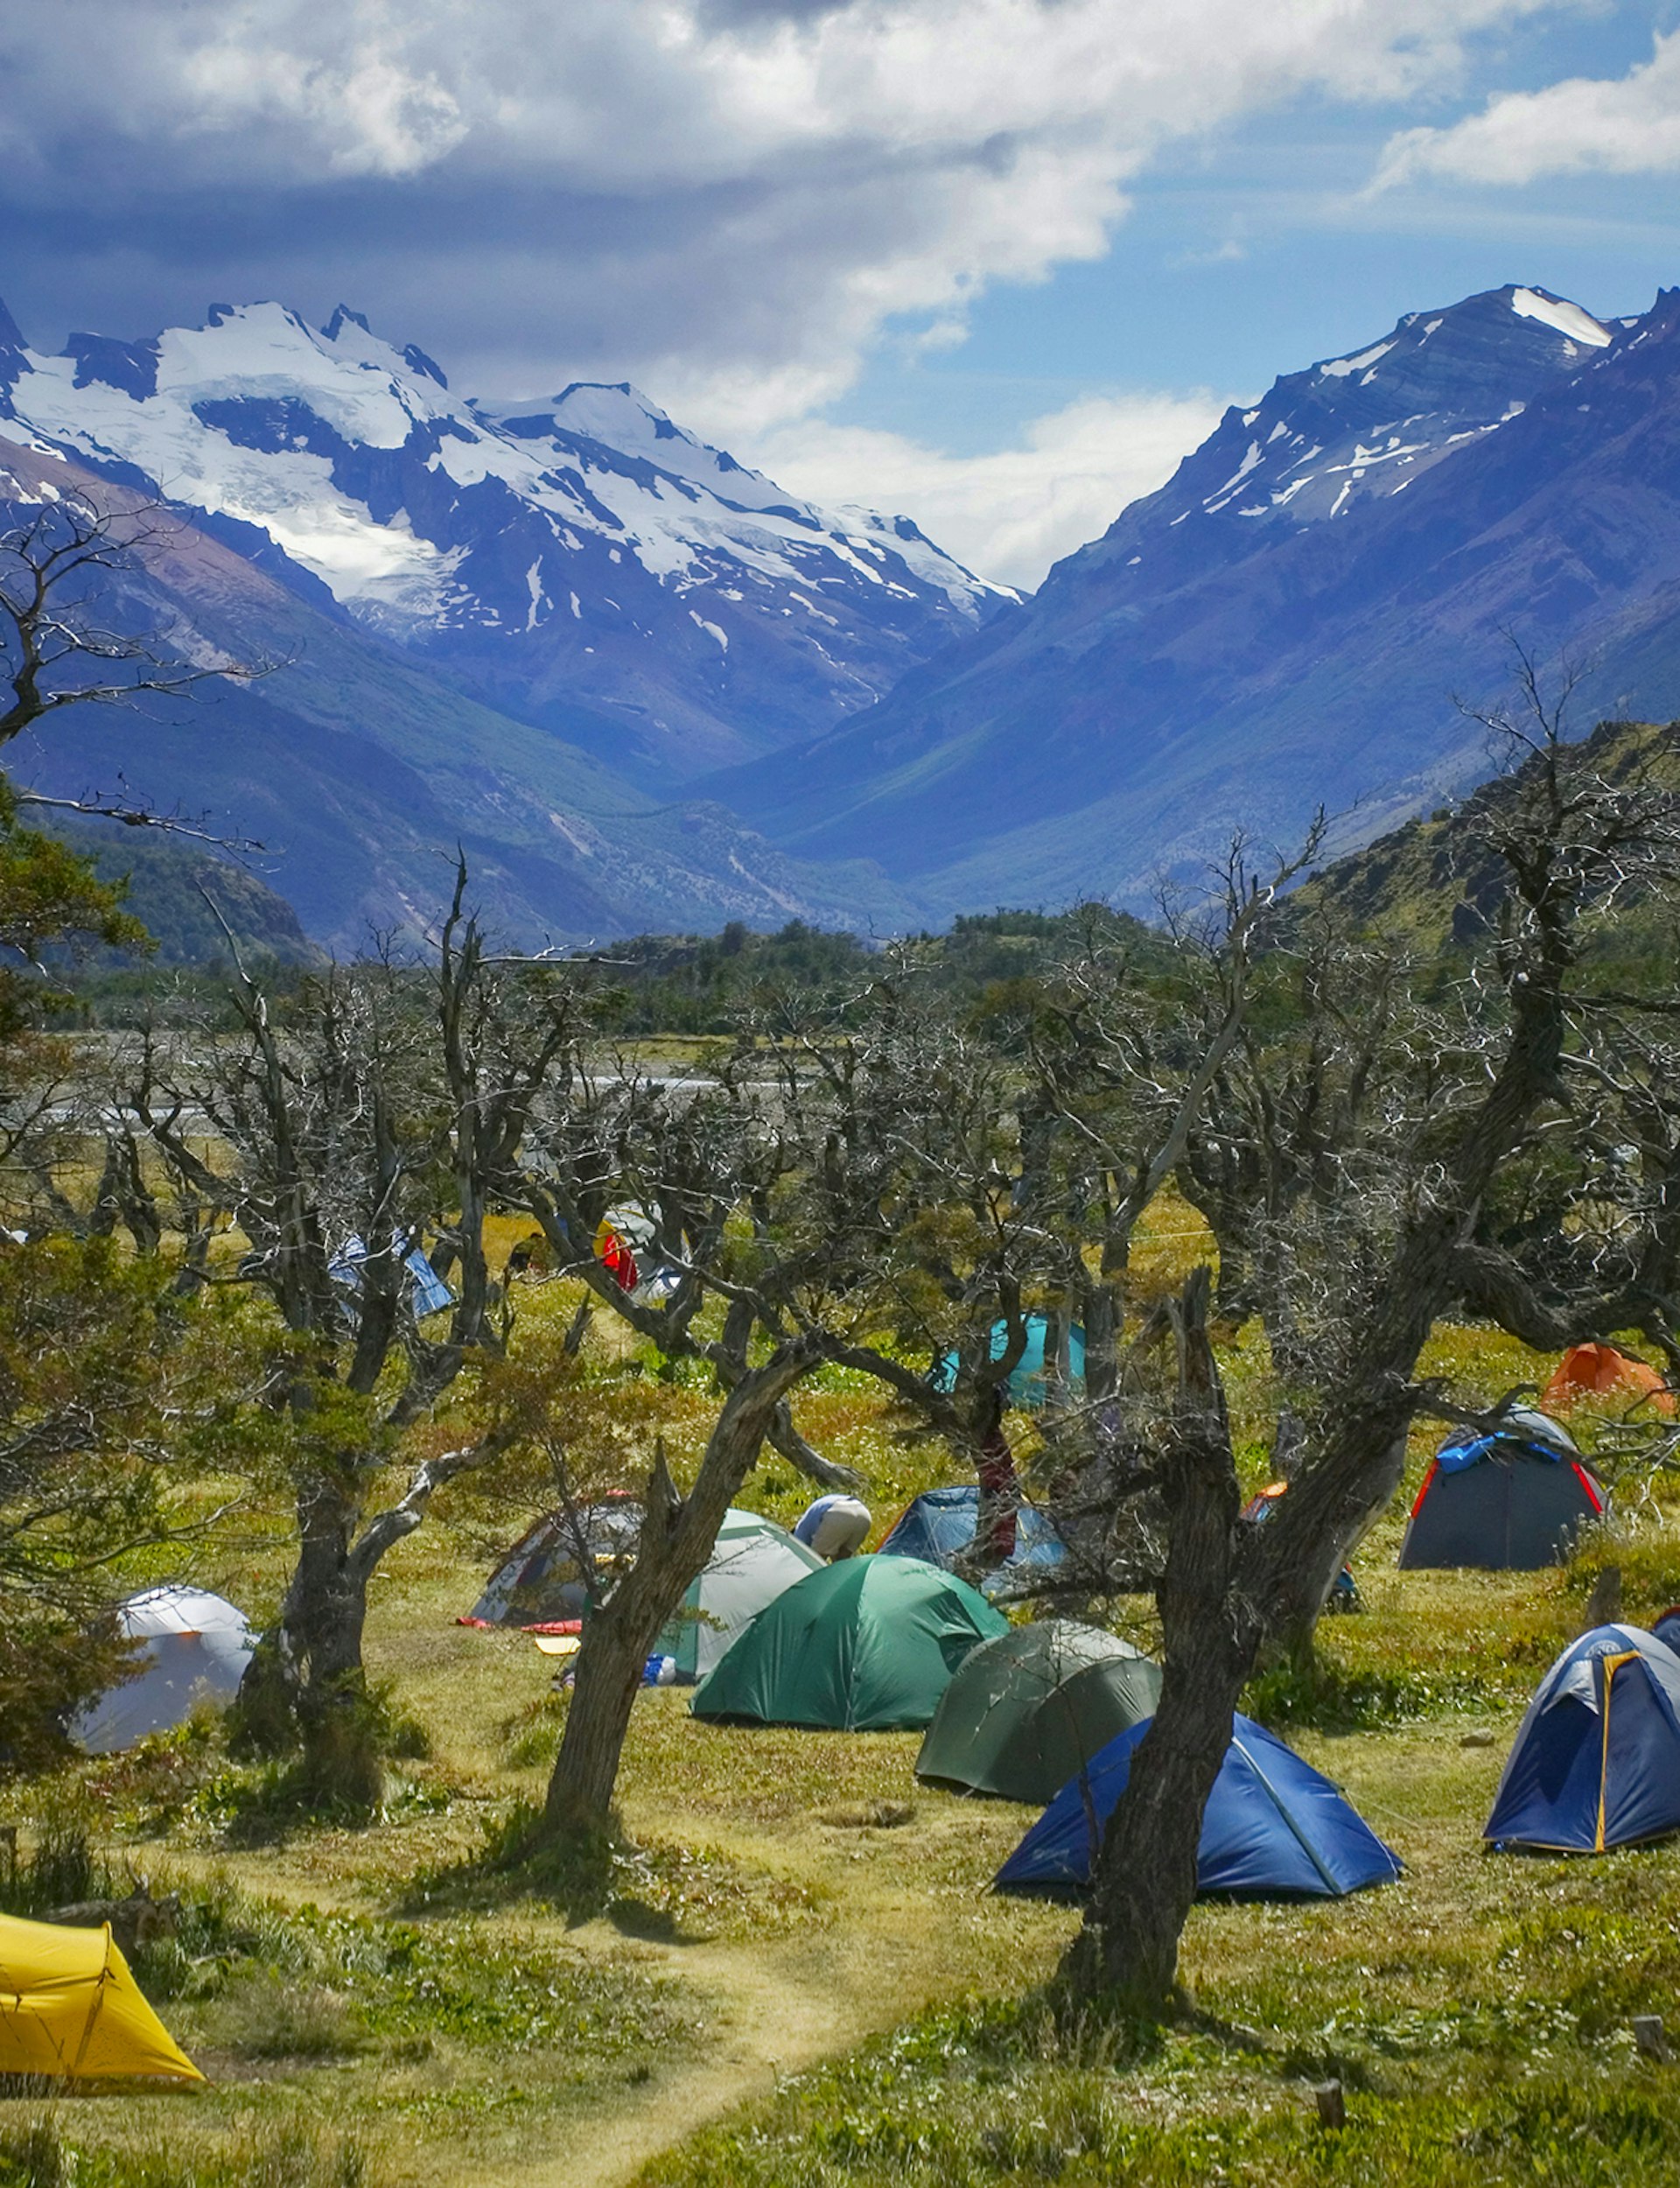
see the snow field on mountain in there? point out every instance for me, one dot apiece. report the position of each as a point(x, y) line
point(598, 461)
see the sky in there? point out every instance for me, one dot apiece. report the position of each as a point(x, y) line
point(995, 263)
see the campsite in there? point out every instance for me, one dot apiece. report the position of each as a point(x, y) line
point(1059, 1577)
point(796, 1971)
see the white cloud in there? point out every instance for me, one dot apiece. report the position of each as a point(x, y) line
point(1011, 513)
point(1620, 125)
point(712, 195)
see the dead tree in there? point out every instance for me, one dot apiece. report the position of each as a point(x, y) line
point(1382, 1258)
point(381, 1105)
point(723, 1198)
point(677, 1535)
point(64, 575)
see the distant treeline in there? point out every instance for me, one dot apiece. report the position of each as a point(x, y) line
point(663, 984)
point(693, 983)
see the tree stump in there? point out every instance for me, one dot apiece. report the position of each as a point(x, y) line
point(1603, 1604)
point(1650, 2037)
point(1332, 2106)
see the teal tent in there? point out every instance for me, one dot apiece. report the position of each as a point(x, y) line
point(1030, 1378)
point(1028, 1711)
point(866, 1645)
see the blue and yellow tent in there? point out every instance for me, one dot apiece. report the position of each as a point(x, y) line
point(1274, 1827)
point(1596, 1763)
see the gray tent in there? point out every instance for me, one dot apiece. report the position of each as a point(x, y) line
point(1026, 1712)
point(194, 1648)
point(1513, 1500)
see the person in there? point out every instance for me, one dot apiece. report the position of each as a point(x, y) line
point(834, 1527)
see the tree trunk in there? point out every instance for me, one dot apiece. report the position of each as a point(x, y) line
point(610, 1667)
point(678, 1535)
point(1126, 1954)
point(322, 1620)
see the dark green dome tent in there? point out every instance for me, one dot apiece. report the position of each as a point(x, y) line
point(867, 1645)
point(1028, 1711)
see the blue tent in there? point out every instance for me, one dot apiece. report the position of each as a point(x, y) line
point(1029, 1377)
point(1512, 1500)
point(938, 1527)
point(1274, 1827)
point(1596, 1763)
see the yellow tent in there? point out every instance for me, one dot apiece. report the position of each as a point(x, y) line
point(68, 2005)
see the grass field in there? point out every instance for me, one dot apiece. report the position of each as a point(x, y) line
point(798, 1975)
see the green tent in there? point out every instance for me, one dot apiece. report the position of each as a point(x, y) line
point(867, 1645)
point(1029, 1710)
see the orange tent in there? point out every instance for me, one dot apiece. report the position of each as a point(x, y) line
point(1599, 1371)
point(68, 2005)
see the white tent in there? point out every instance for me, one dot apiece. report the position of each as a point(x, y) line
point(197, 1647)
point(540, 1580)
point(753, 1562)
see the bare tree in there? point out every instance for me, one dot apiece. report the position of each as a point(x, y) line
point(360, 1121)
point(62, 572)
point(1370, 1265)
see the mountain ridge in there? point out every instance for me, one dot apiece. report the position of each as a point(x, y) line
point(1230, 655)
point(581, 563)
point(363, 773)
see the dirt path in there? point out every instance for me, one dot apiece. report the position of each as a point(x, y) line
point(777, 2005)
point(768, 2018)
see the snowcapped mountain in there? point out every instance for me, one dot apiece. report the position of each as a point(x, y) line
point(581, 563)
point(362, 772)
point(1288, 620)
point(1365, 426)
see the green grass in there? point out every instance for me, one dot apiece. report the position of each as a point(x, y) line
point(1477, 2014)
point(39, 2156)
point(388, 2003)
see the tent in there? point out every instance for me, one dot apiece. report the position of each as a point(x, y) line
point(196, 1649)
point(1596, 1762)
point(1512, 1501)
point(1028, 1710)
point(865, 1645)
point(1599, 1371)
point(938, 1527)
point(753, 1562)
point(542, 1580)
point(1273, 1827)
point(69, 2006)
point(1030, 1378)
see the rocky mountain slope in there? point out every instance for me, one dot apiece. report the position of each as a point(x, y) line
point(361, 771)
point(1289, 621)
point(581, 562)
